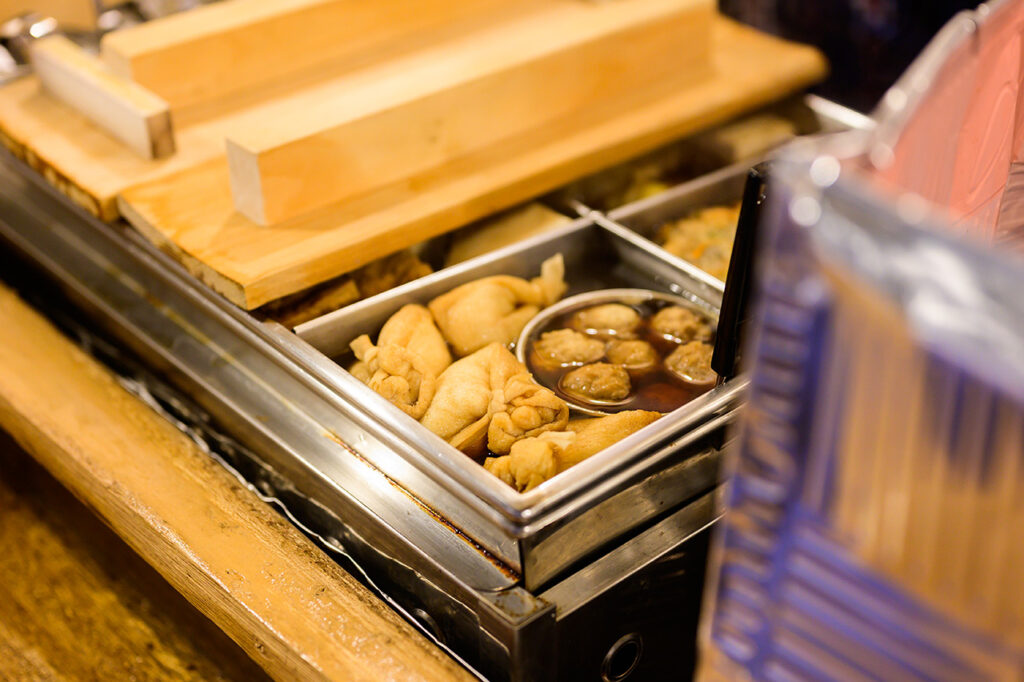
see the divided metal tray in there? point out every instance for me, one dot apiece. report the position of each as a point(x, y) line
point(544, 531)
point(519, 584)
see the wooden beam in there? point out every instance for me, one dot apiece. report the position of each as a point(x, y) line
point(238, 45)
point(125, 110)
point(77, 603)
point(190, 214)
point(291, 608)
point(78, 15)
point(407, 116)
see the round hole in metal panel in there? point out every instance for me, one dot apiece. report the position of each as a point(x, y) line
point(427, 621)
point(622, 658)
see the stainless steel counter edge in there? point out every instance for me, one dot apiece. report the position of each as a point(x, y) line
point(232, 377)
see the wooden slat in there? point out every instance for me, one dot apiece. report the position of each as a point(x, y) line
point(190, 214)
point(280, 598)
point(91, 167)
point(77, 15)
point(239, 45)
point(405, 117)
point(82, 159)
point(125, 110)
point(77, 603)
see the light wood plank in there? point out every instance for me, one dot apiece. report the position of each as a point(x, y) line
point(91, 167)
point(77, 603)
point(77, 15)
point(292, 609)
point(191, 214)
point(239, 45)
point(125, 110)
point(405, 117)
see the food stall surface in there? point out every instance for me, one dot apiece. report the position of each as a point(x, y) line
point(291, 608)
point(77, 602)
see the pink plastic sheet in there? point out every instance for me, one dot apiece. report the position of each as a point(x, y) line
point(962, 145)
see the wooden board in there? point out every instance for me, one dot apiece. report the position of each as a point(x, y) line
point(403, 117)
point(78, 15)
point(292, 609)
point(191, 215)
point(245, 44)
point(123, 109)
point(83, 160)
point(77, 603)
point(91, 167)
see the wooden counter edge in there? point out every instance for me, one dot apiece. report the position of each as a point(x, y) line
point(291, 608)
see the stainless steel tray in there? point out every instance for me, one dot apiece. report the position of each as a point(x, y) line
point(644, 217)
point(513, 582)
point(684, 159)
point(549, 529)
point(334, 453)
point(723, 186)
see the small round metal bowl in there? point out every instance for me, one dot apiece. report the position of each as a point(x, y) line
point(630, 297)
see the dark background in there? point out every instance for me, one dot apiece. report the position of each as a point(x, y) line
point(868, 42)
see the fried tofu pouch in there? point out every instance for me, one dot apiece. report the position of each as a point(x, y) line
point(407, 361)
point(488, 400)
point(495, 309)
point(531, 461)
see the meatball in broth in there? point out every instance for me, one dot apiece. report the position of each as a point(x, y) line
point(691, 362)
point(564, 347)
point(633, 354)
point(680, 325)
point(609, 320)
point(598, 382)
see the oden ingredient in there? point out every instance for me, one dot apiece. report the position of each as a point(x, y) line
point(680, 325)
point(691, 362)
point(633, 354)
point(405, 364)
point(703, 238)
point(597, 382)
point(495, 309)
point(534, 460)
point(566, 347)
point(488, 400)
point(608, 320)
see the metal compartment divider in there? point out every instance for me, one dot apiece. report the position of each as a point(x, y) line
point(450, 541)
point(243, 374)
point(608, 485)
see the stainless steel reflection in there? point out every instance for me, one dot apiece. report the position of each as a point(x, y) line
point(652, 543)
point(578, 301)
point(210, 349)
point(341, 467)
point(646, 217)
point(595, 257)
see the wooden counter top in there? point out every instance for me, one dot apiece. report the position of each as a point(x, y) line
point(77, 603)
point(285, 603)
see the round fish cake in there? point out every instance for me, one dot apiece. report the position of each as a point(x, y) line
point(633, 354)
point(691, 362)
point(597, 382)
point(566, 347)
point(608, 320)
point(681, 325)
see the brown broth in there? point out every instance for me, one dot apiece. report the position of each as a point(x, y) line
point(654, 389)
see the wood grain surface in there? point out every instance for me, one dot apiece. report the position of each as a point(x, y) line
point(190, 214)
point(183, 203)
point(400, 118)
point(78, 15)
point(250, 44)
point(77, 603)
point(119, 106)
point(287, 605)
